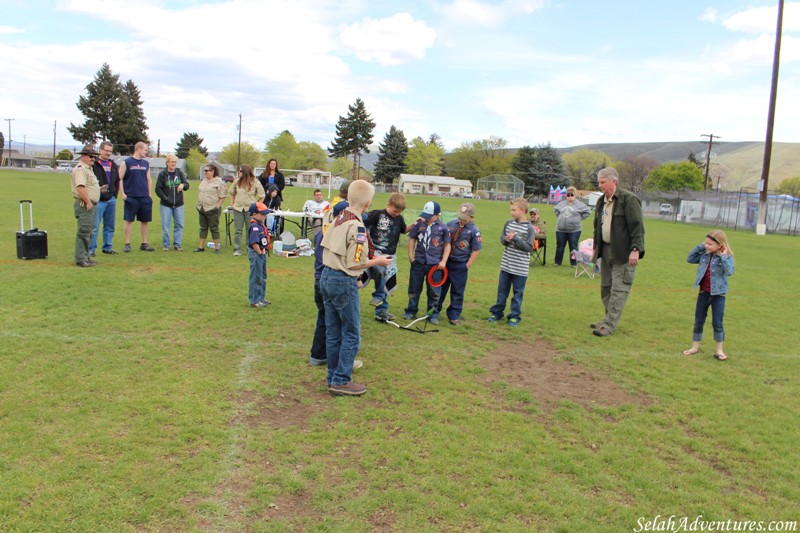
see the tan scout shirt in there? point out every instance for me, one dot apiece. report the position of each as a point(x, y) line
point(83, 174)
point(209, 193)
point(243, 198)
point(344, 246)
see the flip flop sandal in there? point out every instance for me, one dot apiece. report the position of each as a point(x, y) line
point(720, 357)
point(690, 352)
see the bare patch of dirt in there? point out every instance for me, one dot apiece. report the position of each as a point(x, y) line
point(289, 409)
point(538, 368)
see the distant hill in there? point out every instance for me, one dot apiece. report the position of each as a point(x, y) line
point(736, 164)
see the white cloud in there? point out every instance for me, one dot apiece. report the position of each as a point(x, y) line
point(710, 15)
point(488, 15)
point(10, 29)
point(389, 41)
point(764, 19)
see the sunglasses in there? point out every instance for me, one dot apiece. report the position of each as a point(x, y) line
point(570, 195)
point(208, 170)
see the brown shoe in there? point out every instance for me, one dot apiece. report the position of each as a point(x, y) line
point(85, 264)
point(594, 325)
point(347, 389)
point(601, 332)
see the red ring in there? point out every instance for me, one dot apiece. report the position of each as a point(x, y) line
point(430, 276)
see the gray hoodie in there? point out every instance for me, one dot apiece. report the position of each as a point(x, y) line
point(570, 215)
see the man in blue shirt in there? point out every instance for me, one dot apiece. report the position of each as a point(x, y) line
point(135, 186)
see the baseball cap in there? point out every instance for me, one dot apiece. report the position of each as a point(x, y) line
point(430, 210)
point(466, 211)
point(533, 210)
point(259, 208)
point(339, 207)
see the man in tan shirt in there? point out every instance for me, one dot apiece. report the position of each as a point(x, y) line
point(86, 192)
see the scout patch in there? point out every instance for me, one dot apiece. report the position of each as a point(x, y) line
point(361, 238)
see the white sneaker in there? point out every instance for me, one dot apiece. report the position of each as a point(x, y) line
point(237, 253)
point(358, 363)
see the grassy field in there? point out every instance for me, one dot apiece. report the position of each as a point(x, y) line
point(145, 395)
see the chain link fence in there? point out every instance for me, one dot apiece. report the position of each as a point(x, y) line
point(724, 209)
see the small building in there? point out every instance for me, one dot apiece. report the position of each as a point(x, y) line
point(314, 177)
point(438, 185)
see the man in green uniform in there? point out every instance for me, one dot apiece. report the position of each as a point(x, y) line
point(86, 191)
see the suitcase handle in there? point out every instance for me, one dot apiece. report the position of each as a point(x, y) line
point(21, 218)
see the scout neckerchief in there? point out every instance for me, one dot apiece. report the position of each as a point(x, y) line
point(346, 215)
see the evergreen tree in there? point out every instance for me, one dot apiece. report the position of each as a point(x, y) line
point(128, 126)
point(190, 140)
point(353, 134)
point(102, 95)
point(112, 111)
point(2, 145)
point(540, 167)
point(391, 156)
point(692, 158)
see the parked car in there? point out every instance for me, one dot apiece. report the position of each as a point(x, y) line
point(228, 179)
point(44, 167)
point(468, 195)
point(665, 209)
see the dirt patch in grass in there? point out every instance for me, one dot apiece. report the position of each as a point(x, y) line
point(287, 409)
point(538, 367)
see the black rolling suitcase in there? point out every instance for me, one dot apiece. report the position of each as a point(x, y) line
point(31, 244)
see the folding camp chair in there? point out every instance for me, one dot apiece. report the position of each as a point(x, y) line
point(583, 259)
point(539, 253)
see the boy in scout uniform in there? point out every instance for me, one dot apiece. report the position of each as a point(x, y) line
point(346, 252)
point(464, 249)
point(86, 192)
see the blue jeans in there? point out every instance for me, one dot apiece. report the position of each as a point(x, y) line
point(342, 323)
point(168, 214)
point(318, 350)
point(717, 305)
point(504, 286)
point(418, 276)
point(562, 237)
point(257, 286)
point(456, 283)
point(378, 275)
point(107, 214)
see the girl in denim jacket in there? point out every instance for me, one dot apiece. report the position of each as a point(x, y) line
point(714, 260)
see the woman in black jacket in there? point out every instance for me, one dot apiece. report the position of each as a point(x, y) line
point(170, 184)
point(273, 176)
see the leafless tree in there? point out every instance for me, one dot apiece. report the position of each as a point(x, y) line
point(633, 170)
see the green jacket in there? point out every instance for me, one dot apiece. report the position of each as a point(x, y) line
point(627, 226)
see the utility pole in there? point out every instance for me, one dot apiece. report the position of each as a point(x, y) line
point(761, 225)
point(239, 153)
point(9, 139)
point(158, 149)
point(708, 157)
point(54, 139)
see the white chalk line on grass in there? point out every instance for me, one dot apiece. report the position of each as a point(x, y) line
point(231, 460)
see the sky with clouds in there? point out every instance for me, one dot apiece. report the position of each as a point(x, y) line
point(565, 72)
